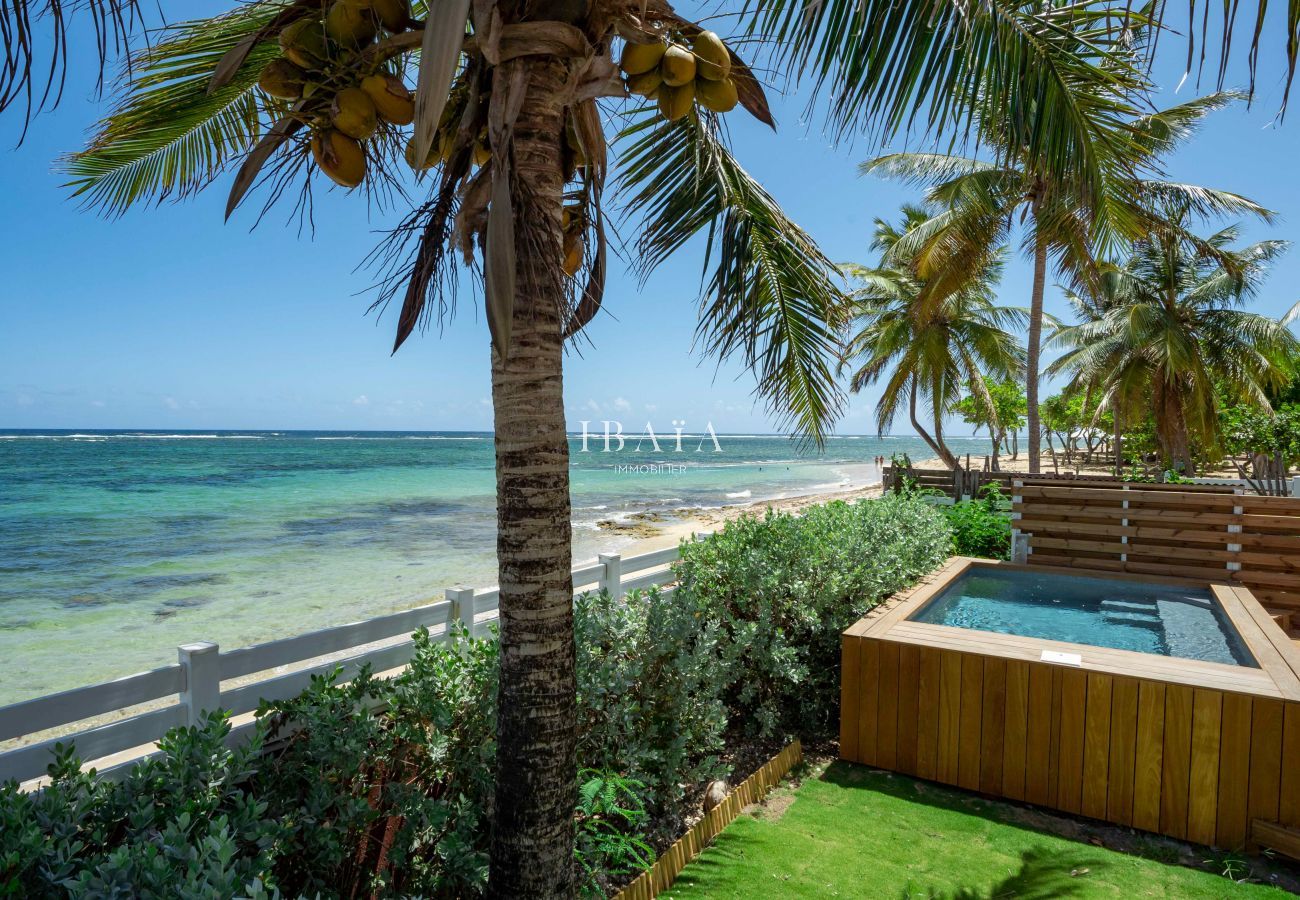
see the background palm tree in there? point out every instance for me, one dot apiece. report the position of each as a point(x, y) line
point(1167, 332)
point(1070, 217)
point(927, 349)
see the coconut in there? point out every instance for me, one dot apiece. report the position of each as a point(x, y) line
point(646, 84)
point(282, 79)
point(349, 22)
point(719, 96)
point(640, 58)
point(431, 159)
point(392, 98)
point(678, 66)
point(392, 14)
point(712, 61)
point(675, 102)
point(572, 251)
point(304, 43)
point(339, 157)
point(353, 113)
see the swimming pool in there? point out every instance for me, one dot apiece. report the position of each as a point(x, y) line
point(1144, 617)
point(1068, 687)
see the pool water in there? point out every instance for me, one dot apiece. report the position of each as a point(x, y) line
point(1102, 612)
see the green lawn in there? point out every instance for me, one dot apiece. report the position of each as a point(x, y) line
point(852, 832)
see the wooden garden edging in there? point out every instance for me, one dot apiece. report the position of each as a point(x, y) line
point(668, 866)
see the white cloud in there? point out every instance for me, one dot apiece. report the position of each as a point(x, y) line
point(363, 400)
point(621, 405)
point(98, 403)
point(170, 403)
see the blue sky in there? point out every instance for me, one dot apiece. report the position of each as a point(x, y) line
point(168, 318)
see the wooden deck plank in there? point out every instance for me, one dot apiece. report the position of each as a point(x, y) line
point(1203, 778)
point(849, 686)
point(1074, 705)
point(1265, 759)
point(1234, 773)
point(1289, 797)
point(887, 707)
point(1123, 749)
point(868, 686)
point(1149, 756)
point(972, 692)
point(1015, 729)
point(992, 731)
point(1096, 745)
point(909, 663)
point(1177, 757)
point(949, 718)
point(1038, 734)
point(927, 724)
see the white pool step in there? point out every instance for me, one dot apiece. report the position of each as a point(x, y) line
point(1128, 606)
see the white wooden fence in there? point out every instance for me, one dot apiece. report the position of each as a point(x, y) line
point(196, 679)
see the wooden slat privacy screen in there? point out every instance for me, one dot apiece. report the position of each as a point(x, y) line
point(1252, 541)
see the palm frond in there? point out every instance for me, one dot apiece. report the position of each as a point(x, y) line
point(771, 296)
point(31, 28)
point(169, 136)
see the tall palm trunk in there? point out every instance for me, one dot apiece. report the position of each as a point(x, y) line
point(939, 449)
point(536, 771)
point(1171, 429)
point(1035, 338)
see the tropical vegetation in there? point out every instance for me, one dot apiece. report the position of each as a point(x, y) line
point(507, 124)
point(384, 787)
point(1168, 333)
point(1072, 218)
point(923, 349)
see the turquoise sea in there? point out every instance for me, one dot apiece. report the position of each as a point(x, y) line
point(117, 546)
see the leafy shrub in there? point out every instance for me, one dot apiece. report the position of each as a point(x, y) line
point(387, 785)
point(357, 801)
point(609, 846)
point(980, 527)
point(650, 683)
point(181, 824)
point(780, 590)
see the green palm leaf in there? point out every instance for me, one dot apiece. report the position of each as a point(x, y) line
point(169, 137)
point(770, 295)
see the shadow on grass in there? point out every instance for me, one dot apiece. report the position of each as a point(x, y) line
point(1043, 874)
point(904, 787)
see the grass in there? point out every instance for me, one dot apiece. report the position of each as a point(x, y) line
point(854, 832)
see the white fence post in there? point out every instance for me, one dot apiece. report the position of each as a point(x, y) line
point(462, 608)
point(612, 580)
point(1019, 547)
point(201, 666)
point(1295, 486)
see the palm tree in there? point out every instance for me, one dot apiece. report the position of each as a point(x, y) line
point(1070, 214)
point(1168, 327)
point(534, 77)
point(927, 350)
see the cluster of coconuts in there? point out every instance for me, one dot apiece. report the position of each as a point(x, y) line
point(444, 141)
point(678, 76)
point(342, 116)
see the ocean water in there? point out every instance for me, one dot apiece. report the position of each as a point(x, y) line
point(115, 547)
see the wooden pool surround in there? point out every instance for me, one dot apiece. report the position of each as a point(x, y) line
point(1194, 750)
